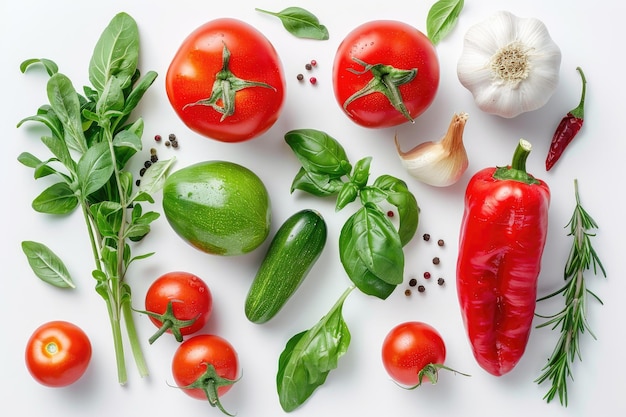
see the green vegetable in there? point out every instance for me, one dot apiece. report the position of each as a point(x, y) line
point(441, 19)
point(295, 248)
point(47, 265)
point(310, 355)
point(300, 23)
point(218, 207)
point(572, 319)
point(371, 248)
point(92, 141)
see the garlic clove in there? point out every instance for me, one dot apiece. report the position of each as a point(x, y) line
point(440, 163)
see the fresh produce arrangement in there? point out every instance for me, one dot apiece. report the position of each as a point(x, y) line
point(227, 82)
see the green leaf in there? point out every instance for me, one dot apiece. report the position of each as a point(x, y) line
point(59, 199)
point(138, 91)
point(41, 168)
point(309, 357)
point(301, 23)
point(371, 252)
point(154, 177)
point(108, 217)
point(116, 53)
point(112, 97)
point(95, 168)
point(361, 172)
point(442, 18)
point(46, 115)
point(126, 143)
point(50, 66)
point(47, 265)
point(348, 193)
point(321, 185)
point(398, 195)
point(318, 152)
point(65, 104)
point(59, 149)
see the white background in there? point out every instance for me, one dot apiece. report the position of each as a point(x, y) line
point(589, 35)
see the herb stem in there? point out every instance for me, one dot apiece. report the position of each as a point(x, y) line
point(572, 319)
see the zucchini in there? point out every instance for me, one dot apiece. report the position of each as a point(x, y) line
point(293, 251)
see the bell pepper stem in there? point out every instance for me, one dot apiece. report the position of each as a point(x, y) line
point(517, 170)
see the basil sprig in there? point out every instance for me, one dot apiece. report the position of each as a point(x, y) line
point(370, 246)
point(309, 357)
point(92, 140)
point(441, 18)
point(300, 22)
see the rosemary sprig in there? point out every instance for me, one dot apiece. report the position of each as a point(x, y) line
point(572, 319)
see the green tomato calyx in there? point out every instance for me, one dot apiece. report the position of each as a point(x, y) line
point(169, 322)
point(225, 87)
point(386, 80)
point(210, 382)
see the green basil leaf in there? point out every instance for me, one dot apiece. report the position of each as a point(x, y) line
point(371, 252)
point(65, 104)
point(309, 357)
point(108, 217)
point(348, 193)
point(154, 178)
point(50, 66)
point(95, 168)
point(116, 53)
point(442, 18)
point(398, 195)
point(112, 97)
point(58, 147)
point(138, 91)
point(59, 198)
point(300, 23)
point(318, 152)
point(47, 265)
point(126, 143)
point(321, 185)
point(42, 169)
point(46, 115)
point(361, 172)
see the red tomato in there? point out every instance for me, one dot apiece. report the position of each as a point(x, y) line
point(179, 303)
point(409, 348)
point(205, 367)
point(58, 353)
point(380, 54)
point(226, 81)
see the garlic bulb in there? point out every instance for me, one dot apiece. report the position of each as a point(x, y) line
point(441, 163)
point(509, 64)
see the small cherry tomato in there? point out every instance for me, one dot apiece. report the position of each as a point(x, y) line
point(179, 303)
point(205, 367)
point(58, 353)
point(385, 73)
point(226, 81)
point(412, 352)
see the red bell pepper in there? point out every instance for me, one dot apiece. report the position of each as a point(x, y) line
point(502, 237)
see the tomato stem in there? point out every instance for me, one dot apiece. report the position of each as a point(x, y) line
point(225, 88)
point(385, 80)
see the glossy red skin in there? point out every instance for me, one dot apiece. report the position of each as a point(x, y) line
point(503, 234)
point(408, 348)
point(391, 43)
point(189, 362)
point(70, 360)
point(190, 295)
point(191, 75)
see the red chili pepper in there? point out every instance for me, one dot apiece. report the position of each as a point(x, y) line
point(568, 128)
point(503, 234)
